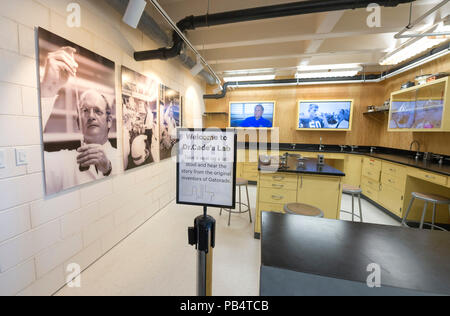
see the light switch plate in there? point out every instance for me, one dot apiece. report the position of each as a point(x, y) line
point(2, 159)
point(21, 157)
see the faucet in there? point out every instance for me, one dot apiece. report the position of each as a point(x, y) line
point(372, 149)
point(418, 148)
point(440, 158)
point(293, 146)
point(353, 148)
point(343, 148)
point(321, 147)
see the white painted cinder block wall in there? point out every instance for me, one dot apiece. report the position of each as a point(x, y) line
point(40, 236)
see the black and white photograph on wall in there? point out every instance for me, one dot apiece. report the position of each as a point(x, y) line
point(170, 109)
point(140, 119)
point(78, 102)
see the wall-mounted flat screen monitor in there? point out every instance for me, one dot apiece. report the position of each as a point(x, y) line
point(252, 114)
point(330, 115)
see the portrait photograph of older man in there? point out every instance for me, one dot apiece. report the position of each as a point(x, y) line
point(77, 91)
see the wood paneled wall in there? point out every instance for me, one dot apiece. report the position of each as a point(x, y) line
point(367, 130)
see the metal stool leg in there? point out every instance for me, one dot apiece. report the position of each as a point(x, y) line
point(353, 208)
point(422, 221)
point(248, 202)
point(360, 208)
point(240, 200)
point(408, 211)
point(434, 216)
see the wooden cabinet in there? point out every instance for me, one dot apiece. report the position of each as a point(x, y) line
point(424, 108)
point(352, 170)
point(428, 176)
point(322, 192)
point(370, 188)
point(391, 199)
point(371, 168)
point(275, 190)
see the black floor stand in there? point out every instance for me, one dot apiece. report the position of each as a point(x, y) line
point(203, 237)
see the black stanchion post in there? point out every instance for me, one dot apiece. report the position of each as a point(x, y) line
point(203, 237)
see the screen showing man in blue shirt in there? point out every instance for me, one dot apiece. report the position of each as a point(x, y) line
point(258, 120)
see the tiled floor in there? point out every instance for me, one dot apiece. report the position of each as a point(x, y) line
point(157, 260)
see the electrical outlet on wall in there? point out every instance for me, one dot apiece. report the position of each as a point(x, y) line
point(21, 157)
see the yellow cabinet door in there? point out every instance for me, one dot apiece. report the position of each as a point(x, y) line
point(353, 168)
point(391, 199)
point(322, 192)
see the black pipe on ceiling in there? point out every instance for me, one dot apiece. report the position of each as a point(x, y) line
point(252, 14)
point(282, 82)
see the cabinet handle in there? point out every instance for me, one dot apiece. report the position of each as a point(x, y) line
point(429, 177)
point(277, 197)
point(278, 178)
point(278, 186)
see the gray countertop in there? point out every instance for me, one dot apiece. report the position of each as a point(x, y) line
point(310, 167)
point(389, 154)
point(409, 258)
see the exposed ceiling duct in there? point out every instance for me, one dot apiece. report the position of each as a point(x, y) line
point(430, 56)
point(253, 14)
point(149, 27)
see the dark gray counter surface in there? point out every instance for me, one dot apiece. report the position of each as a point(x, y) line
point(409, 258)
point(310, 167)
point(389, 154)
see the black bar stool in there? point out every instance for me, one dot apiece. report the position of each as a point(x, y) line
point(240, 183)
point(427, 198)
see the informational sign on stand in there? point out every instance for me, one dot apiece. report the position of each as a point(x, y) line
point(206, 168)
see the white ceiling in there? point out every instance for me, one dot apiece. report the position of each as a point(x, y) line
point(284, 43)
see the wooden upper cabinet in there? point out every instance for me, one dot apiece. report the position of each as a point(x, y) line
point(424, 108)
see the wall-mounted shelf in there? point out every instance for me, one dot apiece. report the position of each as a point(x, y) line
point(379, 116)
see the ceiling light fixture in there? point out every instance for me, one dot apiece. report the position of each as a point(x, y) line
point(134, 12)
point(416, 46)
point(249, 78)
point(328, 71)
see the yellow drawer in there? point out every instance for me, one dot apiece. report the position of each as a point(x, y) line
point(286, 185)
point(251, 167)
point(279, 177)
point(370, 192)
point(375, 185)
point(396, 182)
point(394, 170)
point(371, 169)
point(277, 196)
point(271, 207)
point(372, 164)
point(251, 176)
point(428, 176)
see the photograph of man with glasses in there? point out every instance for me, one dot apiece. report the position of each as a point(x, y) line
point(77, 118)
